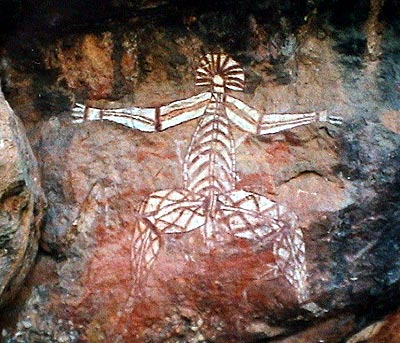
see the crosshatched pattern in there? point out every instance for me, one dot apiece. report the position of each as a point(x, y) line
point(209, 200)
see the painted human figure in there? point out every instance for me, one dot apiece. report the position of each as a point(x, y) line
point(209, 200)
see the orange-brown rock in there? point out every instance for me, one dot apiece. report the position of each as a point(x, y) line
point(391, 120)
point(386, 330)
point(21, 203)
point(87, 65)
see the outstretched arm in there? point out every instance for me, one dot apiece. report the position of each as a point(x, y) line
point(250, 120)
point(147, 119)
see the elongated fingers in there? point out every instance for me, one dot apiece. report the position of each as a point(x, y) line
point(335, 120)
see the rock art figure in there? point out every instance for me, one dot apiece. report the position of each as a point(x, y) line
point(209, 200)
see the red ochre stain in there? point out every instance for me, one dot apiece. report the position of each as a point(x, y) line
point(214, 280)
point(102, 89)
point(143, 155)
point(260, 183)
point(277, 153)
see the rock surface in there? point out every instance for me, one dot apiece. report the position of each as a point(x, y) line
point(342, 184)
point(21, 203)
point(387, 330)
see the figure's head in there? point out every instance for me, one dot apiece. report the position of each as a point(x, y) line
point(220, 72)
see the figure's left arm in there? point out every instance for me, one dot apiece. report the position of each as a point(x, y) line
point(250, 120)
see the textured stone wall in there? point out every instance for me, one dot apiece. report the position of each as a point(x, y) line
point(21, 204)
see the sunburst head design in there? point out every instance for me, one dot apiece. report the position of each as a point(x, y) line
point(220, 72)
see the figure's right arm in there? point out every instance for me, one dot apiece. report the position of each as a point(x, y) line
point(147, 119)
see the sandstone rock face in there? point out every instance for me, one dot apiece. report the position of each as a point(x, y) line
point(338, 188)
point(387, 330)
point(21, 203)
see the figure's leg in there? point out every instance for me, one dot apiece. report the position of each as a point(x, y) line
point(145, 246)
point(146, 243)
point(248, 215)
point(163, 212)
point(290, 251)
point(253, 216)
point(174, 210)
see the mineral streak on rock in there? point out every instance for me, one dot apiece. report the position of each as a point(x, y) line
point(21, 203)
point(387, 330)
point(86, 65)
point(373, 28)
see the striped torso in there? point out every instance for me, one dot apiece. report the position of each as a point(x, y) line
point(210, 160)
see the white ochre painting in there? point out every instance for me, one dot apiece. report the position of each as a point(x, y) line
point(209, 200)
